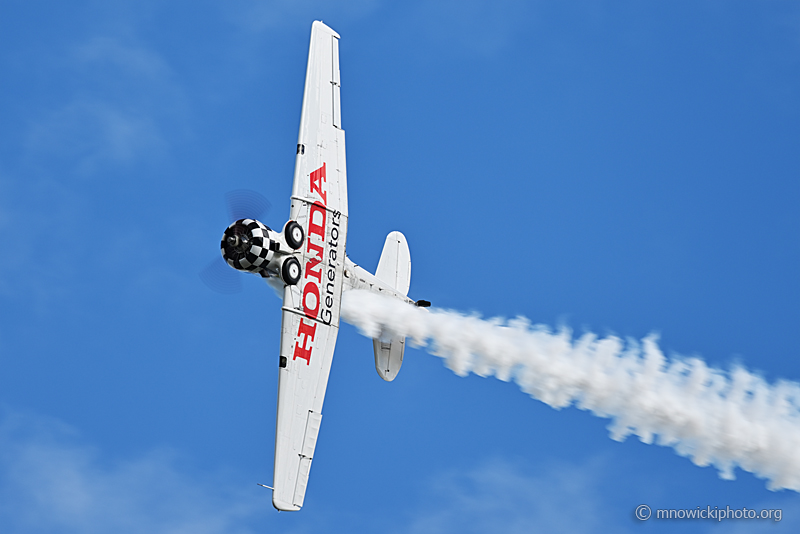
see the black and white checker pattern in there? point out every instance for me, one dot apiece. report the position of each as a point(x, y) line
point(251, 250)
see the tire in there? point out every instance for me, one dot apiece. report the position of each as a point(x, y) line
point(291, 271)
point(294, 235)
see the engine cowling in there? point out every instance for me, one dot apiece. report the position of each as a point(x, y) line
point(246, 245)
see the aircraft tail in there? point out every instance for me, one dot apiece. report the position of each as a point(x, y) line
point(394, 267)
point(394, 270)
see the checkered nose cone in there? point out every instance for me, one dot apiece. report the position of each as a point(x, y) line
point(245, 245)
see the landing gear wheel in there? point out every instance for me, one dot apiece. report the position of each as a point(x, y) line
point(294, 235)
point(290, 271)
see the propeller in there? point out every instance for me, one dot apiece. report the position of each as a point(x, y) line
point(246, 204)
point(218, 276)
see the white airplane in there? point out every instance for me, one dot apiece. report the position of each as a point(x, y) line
point(308, 263)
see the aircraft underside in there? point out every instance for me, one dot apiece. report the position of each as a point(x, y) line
point(307, 263)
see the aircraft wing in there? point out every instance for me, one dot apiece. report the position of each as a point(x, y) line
point(310, 322)
point(319, 172)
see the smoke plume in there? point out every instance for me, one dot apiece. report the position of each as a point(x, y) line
point(726, 419)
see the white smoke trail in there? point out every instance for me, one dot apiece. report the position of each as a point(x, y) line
point(713, 417)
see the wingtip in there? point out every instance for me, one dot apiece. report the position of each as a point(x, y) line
point(318, 24)
point(283, 506)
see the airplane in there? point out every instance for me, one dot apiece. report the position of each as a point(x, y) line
point(307, 263)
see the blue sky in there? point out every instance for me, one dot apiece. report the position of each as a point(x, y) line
point(610, 166)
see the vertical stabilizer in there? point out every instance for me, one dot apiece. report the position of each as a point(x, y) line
point(394, 267)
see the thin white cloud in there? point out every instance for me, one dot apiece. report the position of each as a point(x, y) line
point(135, 60)
point(51, 481)
point(498, 497)
point(124, 104)
point(92, 134)
point(502, 496)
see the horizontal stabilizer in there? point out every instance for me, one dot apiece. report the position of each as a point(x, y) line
point(389, 357)
point(394, 270)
